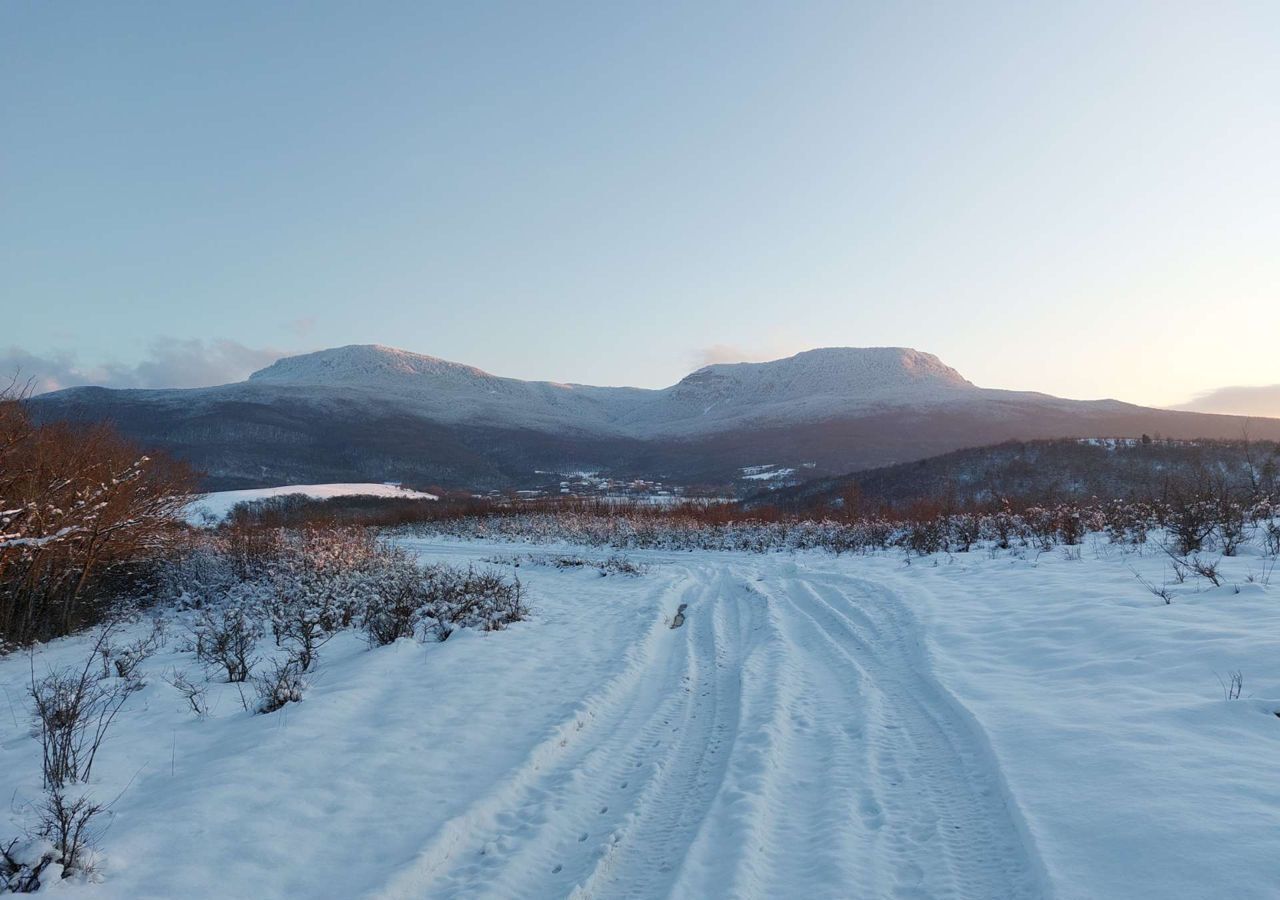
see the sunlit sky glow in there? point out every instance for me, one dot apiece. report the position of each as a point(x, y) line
point(1081, 198)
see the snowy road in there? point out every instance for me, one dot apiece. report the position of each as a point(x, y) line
point(788, 740)
point(975, 726)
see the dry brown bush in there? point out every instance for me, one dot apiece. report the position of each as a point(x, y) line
point(76, 505)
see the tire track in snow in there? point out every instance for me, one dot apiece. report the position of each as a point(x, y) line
point(932, 785)
point(788, 737)
point(453, 858)
point(617, 818)
point(648, 857)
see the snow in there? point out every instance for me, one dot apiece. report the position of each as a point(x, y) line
point(979, 725)
point(765, 472)
point(215, 506)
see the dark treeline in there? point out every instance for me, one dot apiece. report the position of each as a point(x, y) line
point(1022, 474)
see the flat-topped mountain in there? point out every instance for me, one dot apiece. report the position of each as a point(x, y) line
point(366, 412)
point(813, 385)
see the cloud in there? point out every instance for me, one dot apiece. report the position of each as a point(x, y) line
point(302, 326)
point(170, 362)
point(731, 353)
point(1239, 400)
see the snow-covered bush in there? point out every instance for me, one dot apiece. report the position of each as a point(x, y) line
point(397, 599)
point(616, 564)
point(1190, 521)
point(455, 598)
point(23, 863)
point(60, 846)
point(282, 683)
point(439, 599)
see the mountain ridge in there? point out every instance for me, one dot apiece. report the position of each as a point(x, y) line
point(369, 412)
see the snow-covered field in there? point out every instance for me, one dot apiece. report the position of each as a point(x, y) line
point(214, 507)
point(820, 726)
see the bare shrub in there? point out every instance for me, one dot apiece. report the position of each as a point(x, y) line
point(1042, 527)
point(1162, 591)
point(74, 709)
point(1003, 526)
point(1232, 527)
point(1205, 569)
point(191, 691)
point(1190, 523)
point(966, 530)
point(226, 638)
point(1071, 525)
point(1271, 539)
point(65, 821)
point(1232, 685)
point(128, 658)
point(319, 582)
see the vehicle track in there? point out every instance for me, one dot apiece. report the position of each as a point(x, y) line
point(931, 793)
point(789, 733)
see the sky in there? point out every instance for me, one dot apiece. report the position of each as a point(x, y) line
point(1081, 199)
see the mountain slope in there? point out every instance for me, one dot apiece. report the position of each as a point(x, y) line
point(369, 413)
point(1045, 471)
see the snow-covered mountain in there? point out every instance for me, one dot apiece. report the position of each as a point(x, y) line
point(810, 386)
point(452, 392)
point(366, 412)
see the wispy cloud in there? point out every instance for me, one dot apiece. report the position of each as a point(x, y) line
point(301, 326)
point(732, 353)
point(1239, 400)
point(170, 362)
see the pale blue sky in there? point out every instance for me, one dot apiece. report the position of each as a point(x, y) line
point(1078, 198)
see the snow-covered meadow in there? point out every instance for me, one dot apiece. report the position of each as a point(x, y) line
point(982, 724)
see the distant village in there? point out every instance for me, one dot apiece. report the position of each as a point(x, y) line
point(590, 486)
point(593, 486)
